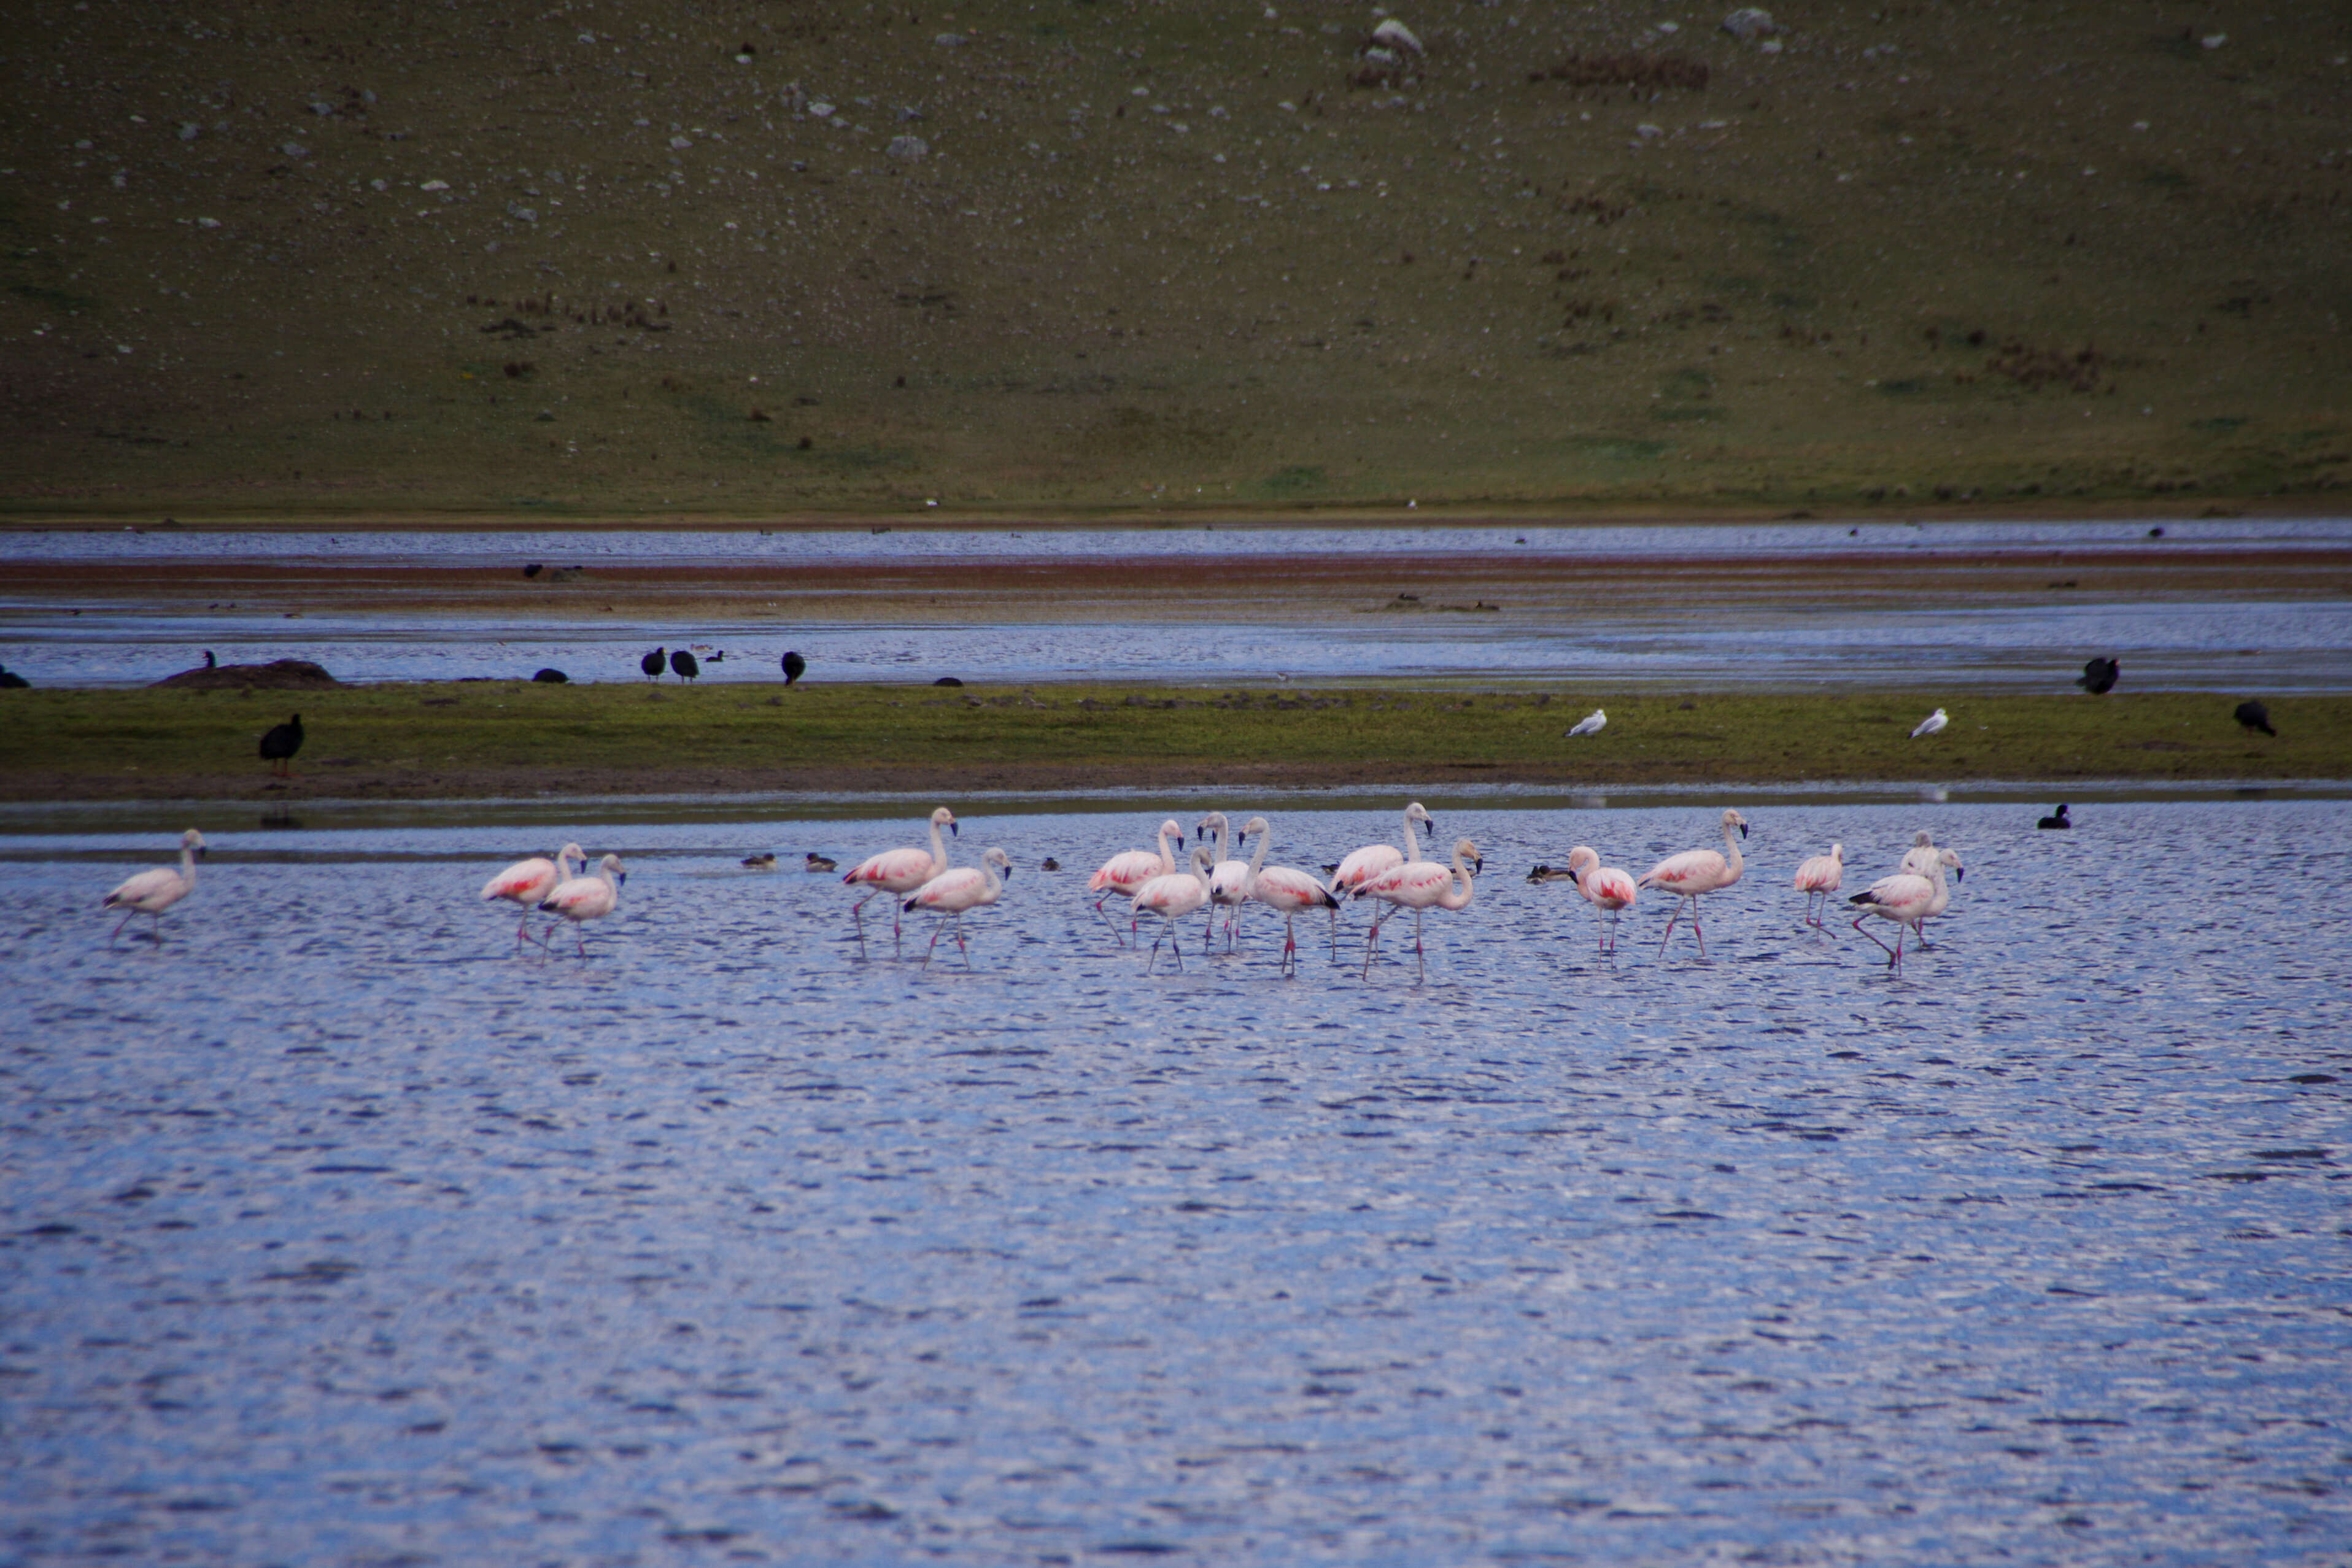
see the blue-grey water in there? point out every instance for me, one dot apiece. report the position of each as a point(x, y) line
point(2285, 632)
point(332, 1231)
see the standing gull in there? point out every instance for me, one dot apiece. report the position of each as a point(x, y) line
point(1590, 723)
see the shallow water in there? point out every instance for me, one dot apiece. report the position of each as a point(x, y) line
point(335, 1231)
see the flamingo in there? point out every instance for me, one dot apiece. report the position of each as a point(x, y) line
point(898, 870)
point(1943, 899)
point(1229, 878)
point(1171, 897)
point(1919, 856)
point(152, 892)
point(1417, 885)
point(1605, 887)
point(1360, 866)
point(1128, 870)
point(584, 898)
point(1285, 890)
point(1905, 898)
point(1820, 877)
point(527, 882)
point(955, 890)
point(1696, 871)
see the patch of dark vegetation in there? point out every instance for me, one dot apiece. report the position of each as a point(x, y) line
point(1648, 72)
point(2083, 370)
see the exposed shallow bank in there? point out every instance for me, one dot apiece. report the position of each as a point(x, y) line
point(515, 739)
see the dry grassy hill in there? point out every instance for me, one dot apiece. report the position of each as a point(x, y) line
point(607, 258)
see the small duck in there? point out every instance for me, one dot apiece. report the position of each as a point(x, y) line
point(2057, 818)
point(763, 861)
point(1551, 873)
point(1049, 863)
point(818, 862)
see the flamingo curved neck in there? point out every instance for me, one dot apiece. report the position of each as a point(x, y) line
point(1412, 843)
point(1167, 855)
point(1448, 900)
point(188, 864)
point(939, 852)
point(1731, 843)
point(1257, 861)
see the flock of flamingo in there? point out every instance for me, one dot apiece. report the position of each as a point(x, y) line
point(921, 881)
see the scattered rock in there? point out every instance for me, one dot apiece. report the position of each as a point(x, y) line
point(279, 674)
point(294, 149)
point(949, 41)
point(1393, 34)
point(908, 149)
point(190, 130)
point(1750, 22)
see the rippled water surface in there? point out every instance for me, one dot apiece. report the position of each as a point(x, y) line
point(335, 1231)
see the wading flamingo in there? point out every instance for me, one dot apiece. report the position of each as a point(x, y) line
point(1605, 887)
point(1920, 856)
point(153, 891)
point(953, 891)
point(1362, 865)
point(1229, 879)
point(525, 883)
point(581, 899)
point(1287, 891)
point(1171, 897)
point(1696, 871)
point(898, 871)
point(1128, 870)
point(1943, 899)
point(1820, 877)
point(1418, 885)
point(1904, 898)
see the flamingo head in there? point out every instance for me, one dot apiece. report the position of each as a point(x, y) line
point(1255, 825)
point(1169, 830)
point(612, 863)
point(1734, 819)
point(1463, 850)
point(1582, 859)
point(570, 854)
point(1000, 861)
point(192, 839)
point(1837, 853)
point(943, 818)
point(1213, 823)
point(1952, 859)
point(1416, 813)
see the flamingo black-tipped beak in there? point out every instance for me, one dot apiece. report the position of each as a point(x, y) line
point(1743, 829)
point(620, 879)
point(953, 831)
point(1478, 864)
point(1959, 873)
point(1008, 876)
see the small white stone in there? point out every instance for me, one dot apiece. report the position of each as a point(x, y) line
point(2214, 40)
point(908, 149)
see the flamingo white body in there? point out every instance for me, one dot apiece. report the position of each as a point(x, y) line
point(1288, 891)
point(898, 871)
point(1694, 873)
point(581, 899)
point(1820, 877)
point(1905, 899)
point(1592, 722)
point(957, 890)
point(152, 892)
point(1919, 860)
point(1608, 888)
point(1932, 725)
point(1229, 879)
point(1359, 866)
point(1128, 870)
point(1173, 897)
point(527, 882)
point(1421, 885)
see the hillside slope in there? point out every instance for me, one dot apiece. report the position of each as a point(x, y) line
point(606, 258)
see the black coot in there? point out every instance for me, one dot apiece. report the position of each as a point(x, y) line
point(2057, 818)
point(2098, 677)
point(794, 668)
point(683, 664)
point(654, 663)
point(279, 744)
point(2255, 714)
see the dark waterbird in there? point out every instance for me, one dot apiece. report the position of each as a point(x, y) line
point(794, 668)
point(947, 681)
point(2057, 818)
point(211, 663)
point(682, 664)
point(654, 663)
point(533, 570)
point(2098, 677)
point(2255, 714)
point(553, 676)
point(279, 744)
point(818, 862)
point(11, 681)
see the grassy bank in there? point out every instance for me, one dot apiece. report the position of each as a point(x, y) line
point(298, 261)
point(486, 739)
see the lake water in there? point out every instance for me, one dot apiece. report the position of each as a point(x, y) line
point(2283, 626)
point(331, 1230)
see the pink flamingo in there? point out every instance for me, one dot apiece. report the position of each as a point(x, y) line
point(1128, 870)
point(584, 898)
point(1907, 898)
point(525, 883)
point(1287, 891)
point(953, 891)
point(1362, 865)
point(1696, 871)
point(1171, 897)
point(1228, 878)
point(152, 892)
point(1818, 878)
point(898, 871)
point(1417, 885)
point(1605, 887)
